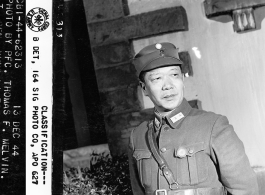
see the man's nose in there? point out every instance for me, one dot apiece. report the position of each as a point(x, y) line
point(167, 83)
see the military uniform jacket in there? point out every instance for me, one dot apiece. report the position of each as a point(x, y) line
point(201, 149)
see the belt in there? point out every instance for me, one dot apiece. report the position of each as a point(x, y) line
point(198, 191)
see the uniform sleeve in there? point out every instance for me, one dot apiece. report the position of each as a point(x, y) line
point(235, 172)
point(134, 177)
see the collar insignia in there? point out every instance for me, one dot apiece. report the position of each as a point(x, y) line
point(157, 122)
point(177, 117)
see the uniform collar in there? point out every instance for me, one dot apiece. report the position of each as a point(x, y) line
point(173, 118)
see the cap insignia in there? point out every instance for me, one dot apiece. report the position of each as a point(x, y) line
point(158, 46)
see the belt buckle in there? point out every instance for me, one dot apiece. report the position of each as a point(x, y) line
point(174, 184)
point(161, 190)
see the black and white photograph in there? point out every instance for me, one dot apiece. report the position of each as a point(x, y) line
point(132, 97)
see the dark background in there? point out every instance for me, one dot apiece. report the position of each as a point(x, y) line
point(76, 31)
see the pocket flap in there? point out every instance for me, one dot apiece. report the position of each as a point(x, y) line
point(189, 150)
point(140, 154)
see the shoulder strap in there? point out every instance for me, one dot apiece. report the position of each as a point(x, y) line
point(159, 158)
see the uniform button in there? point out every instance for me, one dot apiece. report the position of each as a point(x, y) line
point(182, 152)
point(191, 151)
point(166, 172)
point(163, 150)
point(166, 128)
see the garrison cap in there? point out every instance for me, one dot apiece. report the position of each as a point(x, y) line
point(155, 56)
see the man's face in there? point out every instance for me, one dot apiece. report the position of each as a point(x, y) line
point(164, 86)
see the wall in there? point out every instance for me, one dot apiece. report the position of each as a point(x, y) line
point(229, 72)
point(111, 30)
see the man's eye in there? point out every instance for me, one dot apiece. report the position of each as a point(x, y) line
point(176, 75)
point(156, 78)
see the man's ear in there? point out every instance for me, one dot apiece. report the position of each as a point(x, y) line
point(143, 86)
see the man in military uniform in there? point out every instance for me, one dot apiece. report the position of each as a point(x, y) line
point(183, 151)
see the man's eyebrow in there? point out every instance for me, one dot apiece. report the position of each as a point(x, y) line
point(153, 73)
point(175, 68)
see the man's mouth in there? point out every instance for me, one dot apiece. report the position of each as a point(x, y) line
point(168, 97)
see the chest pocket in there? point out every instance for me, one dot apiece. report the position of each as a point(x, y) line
point(143, 158)
point(191, 164)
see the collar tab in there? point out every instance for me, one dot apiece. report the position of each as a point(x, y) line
point(177, 117)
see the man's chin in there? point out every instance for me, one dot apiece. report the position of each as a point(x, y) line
point(169, 108)
point(172, 106)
